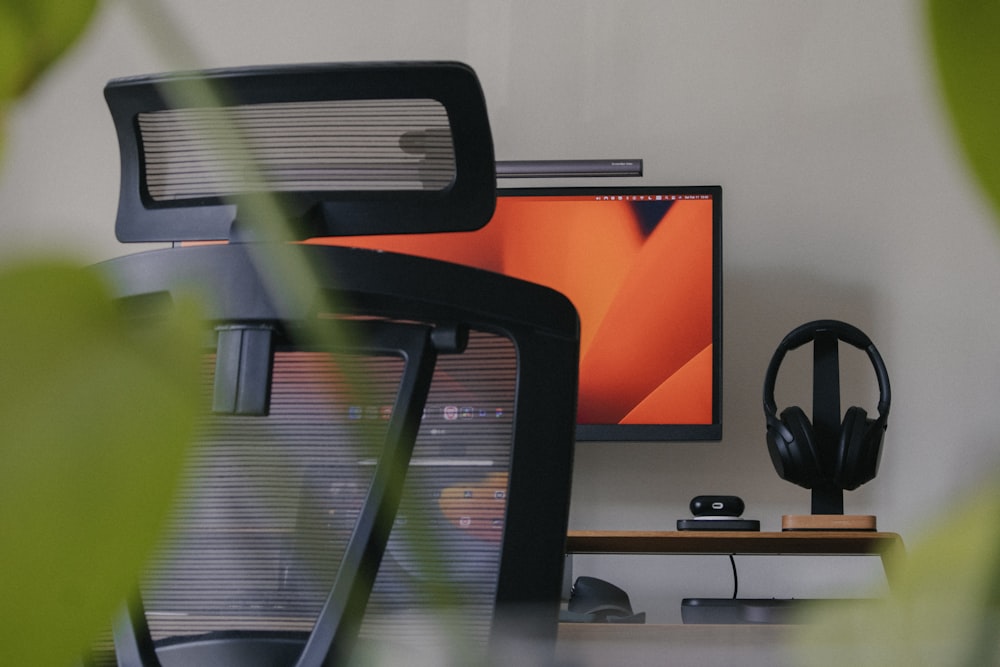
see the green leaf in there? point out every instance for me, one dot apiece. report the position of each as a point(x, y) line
point(942, 609)
point(95, 417)
point(33, 35)
point(964, 36)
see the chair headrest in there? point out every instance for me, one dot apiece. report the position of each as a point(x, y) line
point(348, 148)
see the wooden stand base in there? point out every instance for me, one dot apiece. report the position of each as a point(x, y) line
point(828, 522)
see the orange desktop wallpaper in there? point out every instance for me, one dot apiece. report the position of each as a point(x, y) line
point(643, 290)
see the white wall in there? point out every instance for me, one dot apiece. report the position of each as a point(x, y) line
point(844, 198)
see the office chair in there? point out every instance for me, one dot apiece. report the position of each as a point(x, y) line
point(387, 455)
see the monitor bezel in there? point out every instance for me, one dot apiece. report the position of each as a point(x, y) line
point(657, 432)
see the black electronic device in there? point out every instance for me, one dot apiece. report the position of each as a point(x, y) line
point(764, 611)
point(842, 456)
point(594, 600)
point(702, 506)
point(717, 513)
point(718, 523)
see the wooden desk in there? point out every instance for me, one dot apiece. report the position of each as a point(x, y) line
point(889, 546)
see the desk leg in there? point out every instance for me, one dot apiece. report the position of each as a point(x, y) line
point(892, 560)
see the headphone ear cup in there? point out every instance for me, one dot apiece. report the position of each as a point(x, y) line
point(859, 450)
point(799, 456)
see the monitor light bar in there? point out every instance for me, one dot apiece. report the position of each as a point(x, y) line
point(567, 168)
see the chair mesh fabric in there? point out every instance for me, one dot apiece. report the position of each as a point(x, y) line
point(272, 502)
point(330, 145)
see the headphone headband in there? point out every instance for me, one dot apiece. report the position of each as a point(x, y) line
point(844, 332)
point(808, 331)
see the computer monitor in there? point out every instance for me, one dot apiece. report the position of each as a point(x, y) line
point(643, 266)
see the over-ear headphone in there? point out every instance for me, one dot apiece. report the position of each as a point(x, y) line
point(795, 451)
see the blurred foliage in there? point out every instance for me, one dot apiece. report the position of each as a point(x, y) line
point(33, 35)
point(96, 414)
point(944, 609)
point(965, 37)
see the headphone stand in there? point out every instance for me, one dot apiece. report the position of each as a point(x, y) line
point(826, 417)
point(851, 522)
point(827, 500)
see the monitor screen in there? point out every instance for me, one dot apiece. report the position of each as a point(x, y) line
point(643, 266)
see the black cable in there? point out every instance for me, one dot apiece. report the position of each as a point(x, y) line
point(736, 578)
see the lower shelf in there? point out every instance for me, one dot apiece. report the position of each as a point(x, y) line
point(888, 546)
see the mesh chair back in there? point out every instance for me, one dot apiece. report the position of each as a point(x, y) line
point(274, 499)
